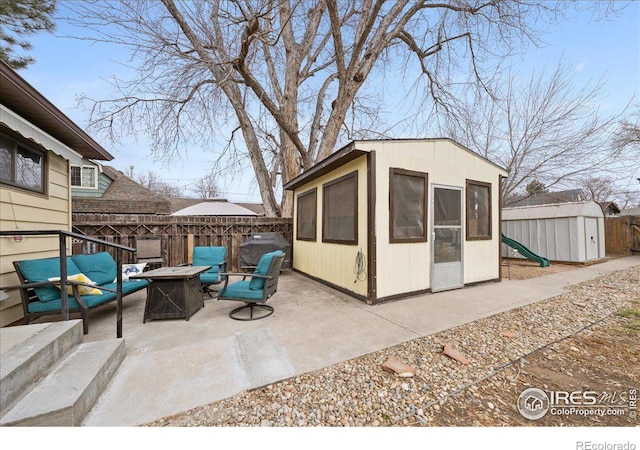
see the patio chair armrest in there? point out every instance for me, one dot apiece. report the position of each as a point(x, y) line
point(71, 283)
point(184, 264)
point(32, 285)
point(252, 275)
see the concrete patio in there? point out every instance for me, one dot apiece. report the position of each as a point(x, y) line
point(174, 365)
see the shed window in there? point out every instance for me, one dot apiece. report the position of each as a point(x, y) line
point(478, 210)
point(21, 165)
point(340, 210)
point(306, 216)
point(84, 177)
point(408, 206)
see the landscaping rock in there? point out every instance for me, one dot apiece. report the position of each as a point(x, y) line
point(393, 365)
point(455, 354)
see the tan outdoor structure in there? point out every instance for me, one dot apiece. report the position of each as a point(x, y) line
point(391, 218)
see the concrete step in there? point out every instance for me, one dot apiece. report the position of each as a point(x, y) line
point(29, 351)
point(70, 390)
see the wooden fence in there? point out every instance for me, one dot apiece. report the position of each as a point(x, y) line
point(179, 233)
point(622, 235)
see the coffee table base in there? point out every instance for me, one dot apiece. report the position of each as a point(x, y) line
point(173, 299)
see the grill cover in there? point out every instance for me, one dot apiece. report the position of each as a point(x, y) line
point(260, 243)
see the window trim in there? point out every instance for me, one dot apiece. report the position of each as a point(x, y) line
point(18, 141)
point(83, 166)
point(313, 192)
point(489, 236)
point(425, 176)
point(327, 185)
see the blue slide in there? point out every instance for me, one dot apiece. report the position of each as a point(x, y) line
point(524, 251)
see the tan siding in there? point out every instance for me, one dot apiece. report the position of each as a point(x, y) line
point(406, 267)
point(335, 262)
point(32, 212)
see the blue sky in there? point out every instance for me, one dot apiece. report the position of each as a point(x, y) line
point(66, 68)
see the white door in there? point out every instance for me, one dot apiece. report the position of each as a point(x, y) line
point(591, 236)
point(447, 238)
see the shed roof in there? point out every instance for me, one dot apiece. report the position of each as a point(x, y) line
point(354, 150)
point(555, 210)
point(547, 198)
point(215, 207)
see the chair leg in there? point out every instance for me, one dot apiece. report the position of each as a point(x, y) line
point(234, 314)
point(85, 320)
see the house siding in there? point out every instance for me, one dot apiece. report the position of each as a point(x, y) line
point(32, 212)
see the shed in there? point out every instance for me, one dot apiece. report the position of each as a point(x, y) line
point(386, 219)
point(567, 232)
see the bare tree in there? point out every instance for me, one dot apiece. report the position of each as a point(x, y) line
point(628, 133)
point(290, 75)
point(154, 183)
point(547, 129)
point(206, 187)
point(598, 189)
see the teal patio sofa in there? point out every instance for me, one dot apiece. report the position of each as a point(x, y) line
point(40, 285)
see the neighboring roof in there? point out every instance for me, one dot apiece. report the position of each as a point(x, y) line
point(214, 207)
point(557, 210)
point(178, 203)
point(257, 208)
point(123, 196)
point(23, 99)
point(611, 206)
point(351, 151)
point(547, 198)
point(630, 212)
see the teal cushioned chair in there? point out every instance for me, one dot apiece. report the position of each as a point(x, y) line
point(214, 257)
point(255, 292)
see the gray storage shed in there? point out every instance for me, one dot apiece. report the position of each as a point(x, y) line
point(566, 232)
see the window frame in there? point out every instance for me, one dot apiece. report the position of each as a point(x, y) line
point(313, 192)
point(352, 175)
point(425, 228)
point(82, 167)
point(44, 164)
point(468, 230)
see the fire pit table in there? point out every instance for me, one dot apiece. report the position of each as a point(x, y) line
point(173, 292)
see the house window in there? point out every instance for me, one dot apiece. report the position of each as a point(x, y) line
point(340, 210)
point(478, 210)
point(21, 165)
point(408, 206)
point(84, 177)
point(306, 216)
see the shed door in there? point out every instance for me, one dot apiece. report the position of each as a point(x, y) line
point(591, 238)
point(447, 238)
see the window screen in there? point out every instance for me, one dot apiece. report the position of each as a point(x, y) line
point(408, 206)
point(340, 210)
point(478, 210)
point(447, 208)
point(306, 216)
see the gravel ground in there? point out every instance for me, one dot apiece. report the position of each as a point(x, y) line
point(359, 393)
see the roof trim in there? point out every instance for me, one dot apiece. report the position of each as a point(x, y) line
point(349, 152)
point(22, 98)
point(342, 156)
